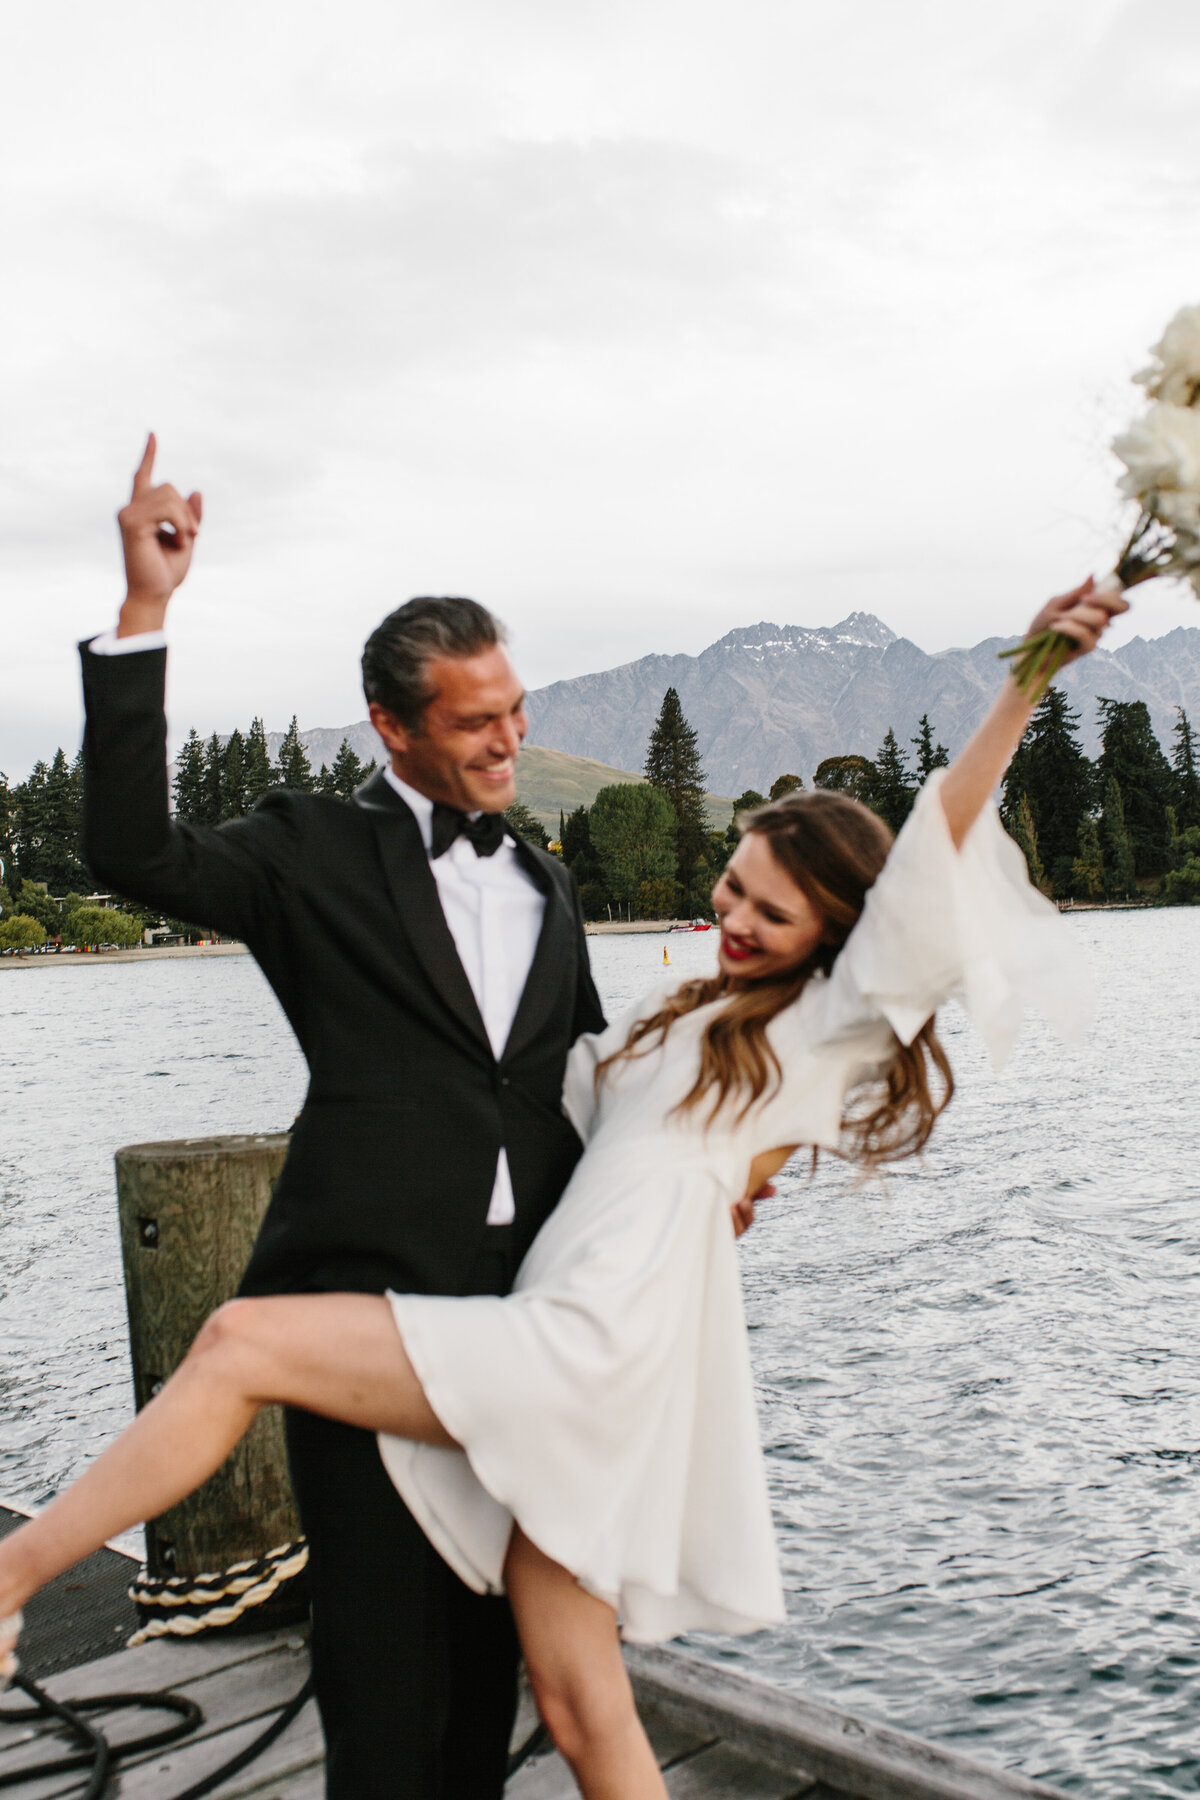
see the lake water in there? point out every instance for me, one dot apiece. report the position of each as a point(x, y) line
point(980, 1384)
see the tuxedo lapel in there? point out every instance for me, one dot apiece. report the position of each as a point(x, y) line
point(553, 960)
point(415, 895)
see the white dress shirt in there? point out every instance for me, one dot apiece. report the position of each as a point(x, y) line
point(493, 908)
point(494, 911)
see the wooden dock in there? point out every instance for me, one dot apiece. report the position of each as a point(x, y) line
point(715, 1734)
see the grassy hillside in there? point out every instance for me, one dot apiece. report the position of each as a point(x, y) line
point(550, 780)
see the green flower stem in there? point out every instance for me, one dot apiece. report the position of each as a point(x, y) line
point(1038, 660)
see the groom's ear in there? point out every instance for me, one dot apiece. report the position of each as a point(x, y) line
point(395, 736)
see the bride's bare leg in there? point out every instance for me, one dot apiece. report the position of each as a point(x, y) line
point(573, 1655)
point(337, 1354)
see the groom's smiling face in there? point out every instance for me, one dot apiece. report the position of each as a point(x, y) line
point(465, 752)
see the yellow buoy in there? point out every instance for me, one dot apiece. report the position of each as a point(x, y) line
point(666, 958)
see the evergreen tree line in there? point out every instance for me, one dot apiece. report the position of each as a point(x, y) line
point(217, 780)
point(41, 820)
point(1127, 823)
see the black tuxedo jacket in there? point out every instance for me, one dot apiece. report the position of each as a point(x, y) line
point(390, 1171)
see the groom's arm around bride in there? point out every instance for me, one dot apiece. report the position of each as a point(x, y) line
point(435, 974)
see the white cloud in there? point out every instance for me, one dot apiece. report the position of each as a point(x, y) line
point(638, 321)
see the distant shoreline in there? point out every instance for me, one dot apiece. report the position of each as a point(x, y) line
point(610, 927)
point(80, 959)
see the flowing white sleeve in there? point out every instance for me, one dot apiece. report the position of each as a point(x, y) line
point(941, 922)
point(579, 1098)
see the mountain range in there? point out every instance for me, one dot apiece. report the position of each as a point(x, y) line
point(768, 699)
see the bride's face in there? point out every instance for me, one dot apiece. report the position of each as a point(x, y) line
point(768, 924)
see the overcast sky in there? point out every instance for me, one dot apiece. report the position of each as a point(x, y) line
point(636, 320)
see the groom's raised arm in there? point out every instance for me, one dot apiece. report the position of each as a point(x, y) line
point(221, 876)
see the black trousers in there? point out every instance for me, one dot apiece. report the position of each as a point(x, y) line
point(416, 1676)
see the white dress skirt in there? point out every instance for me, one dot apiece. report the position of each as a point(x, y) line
point(607, 1403)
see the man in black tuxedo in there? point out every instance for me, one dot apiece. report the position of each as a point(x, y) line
point(435, 972)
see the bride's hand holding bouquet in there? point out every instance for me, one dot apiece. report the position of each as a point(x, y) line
point(1161, 454)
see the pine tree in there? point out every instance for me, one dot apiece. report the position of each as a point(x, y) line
point(576, 839)
point(31, 822)
point(9, 878)
point(259, 773)
point(785, 784)
point(292, 767)
point(930, 756)
point(1133, 758)
point(1087, 871)
point(1025, 832)
point(233, 777)
point(1122, 869)
point(61, 818)
point(211, 803)
point(892, 793)
point(188, 786)
point(1051, 771)
point(673, 766)
point(347, 772)
point(1187, 777)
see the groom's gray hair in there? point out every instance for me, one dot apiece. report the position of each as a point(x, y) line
point(397, 653)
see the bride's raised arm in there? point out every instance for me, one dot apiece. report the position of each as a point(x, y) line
point(1083, 615)
point(953, 911)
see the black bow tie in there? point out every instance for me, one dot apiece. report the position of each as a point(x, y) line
point(485, 832)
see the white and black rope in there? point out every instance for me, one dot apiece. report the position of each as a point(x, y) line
point(182, 1605)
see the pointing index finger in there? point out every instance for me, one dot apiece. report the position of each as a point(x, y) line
point(145, 469)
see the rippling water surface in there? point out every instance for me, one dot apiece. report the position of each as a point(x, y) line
point(980, 1385)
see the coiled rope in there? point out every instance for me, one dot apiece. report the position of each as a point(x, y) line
point(102, 1756)
point(182, 1605)
point(96, 1750)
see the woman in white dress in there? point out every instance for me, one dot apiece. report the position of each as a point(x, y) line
point(589, 1442)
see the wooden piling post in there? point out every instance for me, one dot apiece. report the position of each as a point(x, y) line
point(190, 1211)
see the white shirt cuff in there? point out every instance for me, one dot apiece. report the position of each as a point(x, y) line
point(109, 644)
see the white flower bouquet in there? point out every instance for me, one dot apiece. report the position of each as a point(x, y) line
point(1161, 454)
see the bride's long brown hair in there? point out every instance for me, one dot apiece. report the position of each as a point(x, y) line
point(832, 848)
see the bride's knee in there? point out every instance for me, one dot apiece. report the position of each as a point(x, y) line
point(584, 1711)
point(228, 1336)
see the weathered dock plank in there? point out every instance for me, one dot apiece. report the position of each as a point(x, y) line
point(723, 1771)
point(719, 1736)
point(853, 1756)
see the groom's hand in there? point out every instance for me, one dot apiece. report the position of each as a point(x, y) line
point(158, 531)
point(742, 1211)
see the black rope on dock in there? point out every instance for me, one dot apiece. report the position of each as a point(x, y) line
point(98, 1752)
point(101, 1756)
